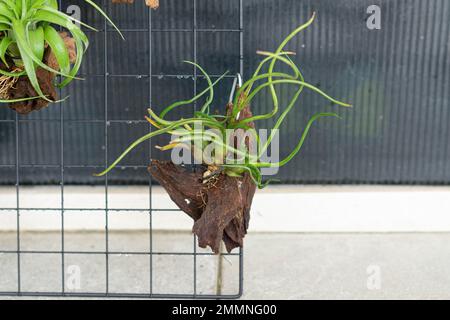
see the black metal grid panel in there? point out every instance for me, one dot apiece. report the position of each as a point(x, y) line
point(18, 166)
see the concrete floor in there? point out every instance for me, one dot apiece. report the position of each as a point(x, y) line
point(277, 266)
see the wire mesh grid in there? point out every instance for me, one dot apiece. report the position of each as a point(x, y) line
point(61, 209)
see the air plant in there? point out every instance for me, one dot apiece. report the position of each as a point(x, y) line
point(197, 128)
point(218, 194)
point(27, 27)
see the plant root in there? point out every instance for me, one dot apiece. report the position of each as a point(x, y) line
point(6, 84)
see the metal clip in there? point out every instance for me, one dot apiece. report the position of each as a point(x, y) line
point(236, 83)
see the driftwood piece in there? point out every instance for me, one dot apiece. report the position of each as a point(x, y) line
point(226, 214)
point(221, 211)
point(154, 4)
point(182, 185)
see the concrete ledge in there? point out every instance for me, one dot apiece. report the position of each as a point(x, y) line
point(276, 266)
point(275, 209)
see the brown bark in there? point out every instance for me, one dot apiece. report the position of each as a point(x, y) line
point(24, 89)
point(221, 212)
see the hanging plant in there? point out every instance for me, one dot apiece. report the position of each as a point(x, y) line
point(33, 52)
point(219, 193)
point(154, 4)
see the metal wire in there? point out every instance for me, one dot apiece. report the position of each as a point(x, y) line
point(18, 165)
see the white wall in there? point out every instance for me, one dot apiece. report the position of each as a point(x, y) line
point(276, 208)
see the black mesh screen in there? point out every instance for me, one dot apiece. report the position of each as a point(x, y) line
point(397, 78)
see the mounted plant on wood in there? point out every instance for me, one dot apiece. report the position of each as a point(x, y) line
point(228, 149)
point(33, 52)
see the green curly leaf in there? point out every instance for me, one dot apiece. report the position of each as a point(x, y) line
point(58, 47)
point(4, 44)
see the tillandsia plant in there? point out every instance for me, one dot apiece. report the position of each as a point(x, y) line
point(33, 51)
point(219, 195)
